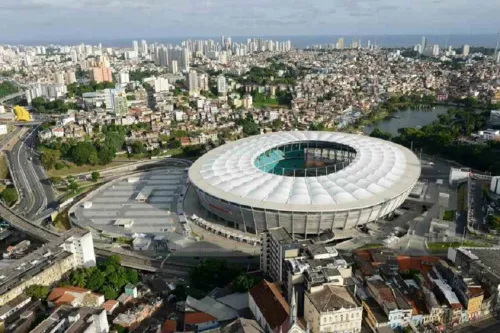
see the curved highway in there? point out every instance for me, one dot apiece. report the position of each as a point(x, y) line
point(35, 191)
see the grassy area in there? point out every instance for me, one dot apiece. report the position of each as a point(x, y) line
point(441, 246)
point(80, 190)
point(268, 104)
point(448, 215)
point(73, 169)
point(4, 168)
point(124, 241)
point(370, 246)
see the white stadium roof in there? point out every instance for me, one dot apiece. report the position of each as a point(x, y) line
point(380, 171)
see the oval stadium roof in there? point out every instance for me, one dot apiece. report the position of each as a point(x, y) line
point(380, 171)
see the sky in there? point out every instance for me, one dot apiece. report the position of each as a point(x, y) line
point(54, 20)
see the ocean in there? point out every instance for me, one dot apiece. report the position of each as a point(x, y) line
point(484, 40)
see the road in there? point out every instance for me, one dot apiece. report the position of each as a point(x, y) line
point(35, 190)
point(27, 226)
point(11, 96)
point(478, 217)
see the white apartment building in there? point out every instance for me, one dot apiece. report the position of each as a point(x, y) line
point(82, 247)
point(332, 309)
point(221, 85)
point(192, 80)
point(123, 78)
point(161, 84)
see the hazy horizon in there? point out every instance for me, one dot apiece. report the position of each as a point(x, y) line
point(32, 20)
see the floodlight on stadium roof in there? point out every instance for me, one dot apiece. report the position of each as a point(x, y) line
point(378, 172)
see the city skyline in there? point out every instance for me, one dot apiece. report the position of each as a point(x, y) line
point(63, 20)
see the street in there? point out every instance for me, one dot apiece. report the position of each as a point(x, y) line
point(35, 191)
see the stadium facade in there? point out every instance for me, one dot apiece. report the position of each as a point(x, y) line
point(307, 182)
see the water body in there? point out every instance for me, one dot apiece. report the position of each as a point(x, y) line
point(485, 40)
point(407, 118)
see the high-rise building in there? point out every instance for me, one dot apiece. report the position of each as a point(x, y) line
point(116, 101)
point(123, 77)
point(192, 81)
point(424, 44)
point(221, 85)
point(340, 43)
point(173, 67)
point(203, 82)
point(223, 57)
point(162, 56)
point(59, 78)
point(70, 77)
point(74, 56)
point(135, 46)
point(465, 50)
point(435, 50)
point(101, 74)
point(161, 84)
point(498, 58)
point(277, 244)
point(144, 47)
point(181, 55)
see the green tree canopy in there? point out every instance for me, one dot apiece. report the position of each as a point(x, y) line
point(9, 195)
point(245, 282)
point(212, 273)
point(95, 175)
point(49, 158)
point(376, 133)
point(37, 291)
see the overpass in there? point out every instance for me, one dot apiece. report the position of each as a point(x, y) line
point(32, 229)
point(12, 96)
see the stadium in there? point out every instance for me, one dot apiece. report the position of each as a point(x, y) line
point(307, 182)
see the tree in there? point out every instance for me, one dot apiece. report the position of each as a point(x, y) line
point(245, 282)
point(317, 127)
point(108, 292)
point(9, 195)
point(49, 158)
point(132, 276)
point(173, 143)
point(84, 153)
point(376, 133)
point(73, 186)
point(137, 148)
point(95, 280)
point(212, 273)
point(78, 278)
point(106, 154)
point(37, 291)
point(95, 175)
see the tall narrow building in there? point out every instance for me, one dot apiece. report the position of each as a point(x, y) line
point(192, 81)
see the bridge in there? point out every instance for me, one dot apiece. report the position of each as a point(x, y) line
point(12, 96)
point(32, 229)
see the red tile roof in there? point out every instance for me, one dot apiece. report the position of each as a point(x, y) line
point(56, 293)
point(109, 305)
point(169, 326)
point(194, 318)
point(271, 303)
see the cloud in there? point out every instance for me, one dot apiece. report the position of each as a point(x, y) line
point(133, 18)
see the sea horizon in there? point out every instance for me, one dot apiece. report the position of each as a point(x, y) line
point(298, 41)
